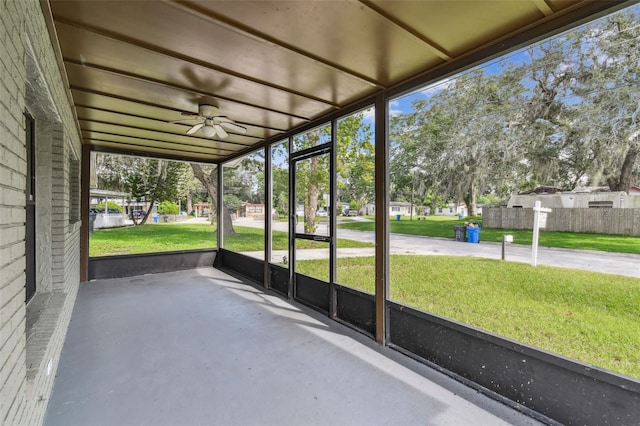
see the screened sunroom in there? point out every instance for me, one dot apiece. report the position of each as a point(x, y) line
point(303, 171)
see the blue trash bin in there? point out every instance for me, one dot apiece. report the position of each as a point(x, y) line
point(473, 235)
point(156, 219)
point(398, 217)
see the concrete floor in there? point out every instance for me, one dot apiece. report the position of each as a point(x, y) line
point(201, 347)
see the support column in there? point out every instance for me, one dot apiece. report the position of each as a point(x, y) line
point(382, 218)
point(268, 216)
point(333, 250)
point(219, 209)
point(293, 219)
point(85, 182)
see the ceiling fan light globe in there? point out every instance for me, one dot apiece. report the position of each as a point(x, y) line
point(208, 131)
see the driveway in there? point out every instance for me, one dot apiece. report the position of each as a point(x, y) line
point(585, 260)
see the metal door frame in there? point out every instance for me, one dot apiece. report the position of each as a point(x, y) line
point(294, 158)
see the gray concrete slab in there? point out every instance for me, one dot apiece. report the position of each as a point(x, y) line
point(200, 347)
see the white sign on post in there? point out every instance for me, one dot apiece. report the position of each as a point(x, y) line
point(539, 221)
point(542, 220)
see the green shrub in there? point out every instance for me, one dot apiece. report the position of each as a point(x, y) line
point(112, 205)
point(168, 207)
point(232, 203)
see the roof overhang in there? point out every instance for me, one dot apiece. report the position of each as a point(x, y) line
point(271, 66)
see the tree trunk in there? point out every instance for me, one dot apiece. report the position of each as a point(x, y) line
point(162, 170)
point(189, 203)
point(210, 182)
point(623, 183)
point(133, 216)
point(148, 212)
point(311, 206)
point(470, 199)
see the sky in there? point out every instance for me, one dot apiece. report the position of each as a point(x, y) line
point(403, 104)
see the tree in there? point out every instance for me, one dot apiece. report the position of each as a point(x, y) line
point(245, 179)
point(611, 100)
point(581, 121)
point(111, 205)
point(232, 202)
point(561, 113)
point(112, 170)
point(168, 207)
point(312, 176)
point(356, 160)
point(458, 143)
point(152, 181)
point(187, 184)
point(280, 189)
point(147, 180)
point(208, 176)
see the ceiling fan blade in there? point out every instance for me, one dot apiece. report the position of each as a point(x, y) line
point(190, 114)
point(195, 128)
point(220, 131)
point(185, 120)
point(222, 119)
point(234, 127)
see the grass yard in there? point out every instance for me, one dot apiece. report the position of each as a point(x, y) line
point(592, 317)
point(160, 237)
point(442, 226)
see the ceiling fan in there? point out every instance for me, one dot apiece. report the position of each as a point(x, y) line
point(211, 122)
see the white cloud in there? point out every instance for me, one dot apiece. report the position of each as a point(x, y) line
point(369, 114)
point(434, 88)
point(394, 108)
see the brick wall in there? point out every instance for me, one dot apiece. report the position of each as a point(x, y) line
point(31, 337)
point(12, 202)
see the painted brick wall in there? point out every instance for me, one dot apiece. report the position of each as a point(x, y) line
point(12, 219)
point(26, 55)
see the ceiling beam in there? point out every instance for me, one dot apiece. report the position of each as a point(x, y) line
point(178, 56)
point(168, 85)
point(115, 148)
point(78, 105)
point(199, 142)
point(247, 31)
point(430, 44)
point(136, 101)
point(544, 7)
point(150, 142)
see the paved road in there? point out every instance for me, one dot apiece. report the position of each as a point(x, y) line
point(586, 260)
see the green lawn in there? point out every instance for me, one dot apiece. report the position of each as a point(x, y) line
point(159, 237)
point(587, 316)
point(442, 226)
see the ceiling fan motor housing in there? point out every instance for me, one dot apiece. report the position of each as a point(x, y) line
point(208, 110)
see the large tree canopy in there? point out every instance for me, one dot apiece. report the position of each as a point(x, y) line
point(562, 113)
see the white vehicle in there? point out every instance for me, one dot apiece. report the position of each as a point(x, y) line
point(321, 213)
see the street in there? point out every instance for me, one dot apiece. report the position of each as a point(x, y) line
point(585, 260)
